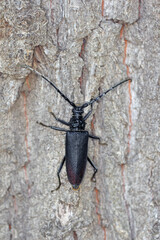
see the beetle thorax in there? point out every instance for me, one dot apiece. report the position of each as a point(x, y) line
point(77, 122)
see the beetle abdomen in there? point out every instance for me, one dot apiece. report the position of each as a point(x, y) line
point(76, 156)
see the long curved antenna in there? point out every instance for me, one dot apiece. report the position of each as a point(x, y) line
point(104, 93)
point(52, 84)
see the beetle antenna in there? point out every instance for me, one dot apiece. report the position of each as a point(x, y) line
point(52, 84)
point(104, 93)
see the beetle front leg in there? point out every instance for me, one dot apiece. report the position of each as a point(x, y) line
point(58, 119)
point(88, 114)
point(95, 170)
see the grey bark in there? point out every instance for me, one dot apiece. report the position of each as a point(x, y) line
point(84, 47)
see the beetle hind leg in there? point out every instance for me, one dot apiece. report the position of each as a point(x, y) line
point(95, 170)
point(58, 174)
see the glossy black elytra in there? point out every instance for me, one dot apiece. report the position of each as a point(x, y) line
point(76, 138)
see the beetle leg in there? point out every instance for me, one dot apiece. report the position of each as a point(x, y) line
point(88, 114)
point(95, 170)
point(94, 137)
point(59, 120)
point(58, 173)
point(53, 127)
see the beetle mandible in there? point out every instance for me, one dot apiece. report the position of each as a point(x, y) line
point(76, 146)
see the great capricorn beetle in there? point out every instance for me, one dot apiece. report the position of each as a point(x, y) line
point(76, 138)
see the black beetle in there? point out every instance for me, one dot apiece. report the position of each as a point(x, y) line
point(76, 138)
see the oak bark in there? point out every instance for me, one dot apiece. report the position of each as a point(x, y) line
point(84, 47)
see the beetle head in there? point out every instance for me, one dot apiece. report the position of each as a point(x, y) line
point(77, 110)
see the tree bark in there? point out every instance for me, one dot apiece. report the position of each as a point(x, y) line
point(84, 47)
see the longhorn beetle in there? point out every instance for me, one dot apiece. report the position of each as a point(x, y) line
point(76, 138)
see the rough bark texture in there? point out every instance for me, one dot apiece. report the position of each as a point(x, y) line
point(84, 47)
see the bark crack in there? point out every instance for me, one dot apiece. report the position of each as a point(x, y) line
point(82, 81)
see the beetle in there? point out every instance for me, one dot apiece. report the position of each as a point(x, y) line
point(76, 145)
